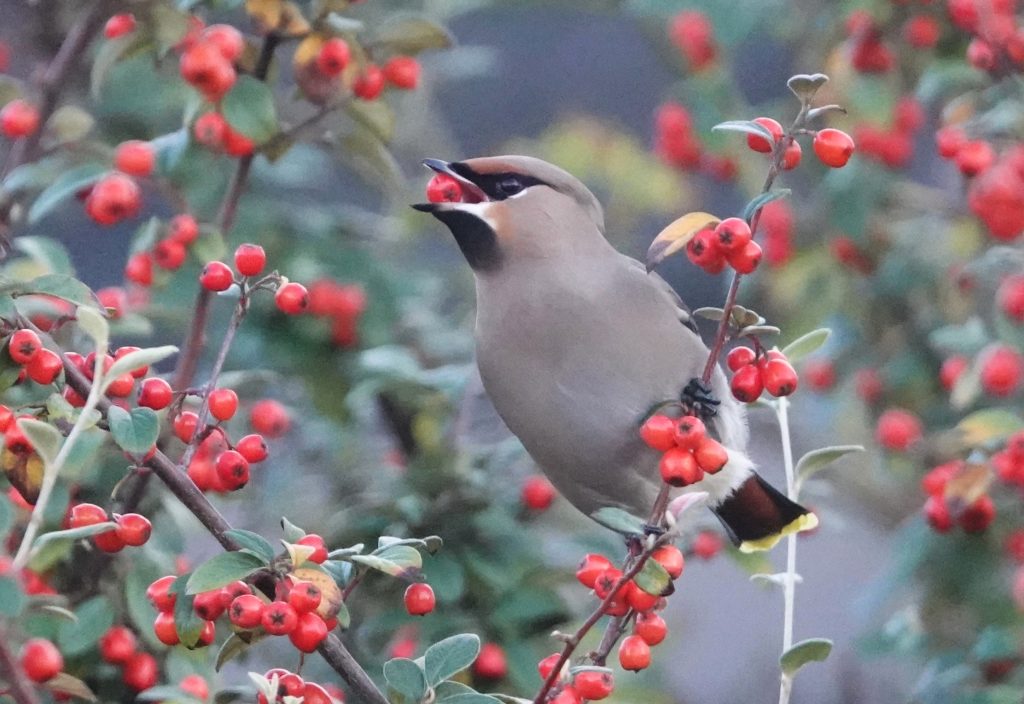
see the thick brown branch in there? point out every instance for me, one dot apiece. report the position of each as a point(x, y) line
point(338, 657)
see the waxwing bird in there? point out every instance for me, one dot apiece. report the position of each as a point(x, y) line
point(576, 344)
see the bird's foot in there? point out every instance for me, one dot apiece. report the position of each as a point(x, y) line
point(698, 399)
point(653, 530)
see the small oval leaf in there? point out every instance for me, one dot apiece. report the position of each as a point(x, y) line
point(806, 344)
point(450, 656)
point(810, 650)
point(676, 236)
point(816, 460)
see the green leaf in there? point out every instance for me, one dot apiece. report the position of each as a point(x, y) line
point(47, 253)
point(249, 108)
point(253, 543)
point(46, 439)
point(746, 127)
point(70, 123)
point(59, 612)
point(65, 186)
point(406, 680)
point(134, 431)
point(451, 688)
point(810, 650)
point(186, 620)
point(93, 324)
point(653, 578)
point(472, 698)
point(235, 645)
point(806, 344)
point(431, 543)
point(619, 520)
point(110, 53)
point(66, 684)
point(816, 460)
point(344, 25)
point(709, 313)
point(12, 598)
point(346, 552)
point(404, 556)
point(74, 533)
point(292, 532)
point(409, 34)
point(61, 286)
point(988, 425)
point(449, 656)
point(758, 202)
point(382, 564)
point(376, 116)
point(94, 618)
point(221, 570)
point(140, 358)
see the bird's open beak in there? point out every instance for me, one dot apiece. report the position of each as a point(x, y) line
point(471, 192)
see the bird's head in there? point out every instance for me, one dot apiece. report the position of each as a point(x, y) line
point(516, 208)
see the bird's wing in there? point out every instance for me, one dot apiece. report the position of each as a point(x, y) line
point(685, 316)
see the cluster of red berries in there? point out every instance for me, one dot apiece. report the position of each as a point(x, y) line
point(688, 452)
point(250, 259)
point(759, 371)
point(169, 252)
point(538, 493)
point(832, 147)
point(585, 685)
point(37, 363)
point(996, 192)
point(1001, 369)
point(218, 465)
point(677, 144)
point(976, 517)
point(730, 242)
point(130, 529)
point(291, 684)
point(692, 34)
point(117, 196)
point(869, 52)
point(151, 390)
point(893, 146)
point(342, 305)
point(119, 646)
point(19, 118)
point(997, 46)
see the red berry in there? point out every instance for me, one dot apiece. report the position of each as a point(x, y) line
point(590, 567)
point(228, 40)
point(113, 198)
point(732, 234)
point(370, 83)
point(250, 259)
point(833, 147)
point(936, 512)
point(678, 467)
point(155, 393)
point(292, 298)
point(139, 269)
point(246, 611)
point(546, 666)
point(316, 542)
point(279, 618)
point(711, 456)
point(869, 385)
point(567, 695)
point(204, 67)
point(134, 529)
point(419, 599)
point(671, 558)
point(333, 57)
point(593, 685)
point(922, 31)
point(121, 386)
point(974, 157)
point(949, 140)
point(760, 144)
point(252, 448)
point(135, 157)
point(689, 432)
point(313, 693)
point(183, 228)
point(23, 345)
point(952, 368)
point(309, 632)
point(491, 663)
point(83, 515)
point(658, 432)
point(402, 72)
point(304, 596)
point(791, 157)
point(40, 659)
point(703, 251)
point(216, 276)
point(138, 372)
point(141, 672)
point(196, 686)
point(232, 469)
point(118, 25)
point(651, 628)
point(169, 254)
point(44, 367)
point(1001, 368)
point(693, 35)
point(606, 583)
point(237, 144)
point(223, 403)
point(747, 384)
point(185, 425)
point(1011, 297)
point(109, 541)
point(164, 628)
point(820, 374)
point(977, 517)
point(739, 357)
point(707, 544)
point(634, 653)
point(897, 430)
point(269, 418)
point(780, 379)
point(639, 600)
point(19, 118)
point(210, 129)
point(117, 645)
point(538, 493)
point(159, 594)
point(443, 188)
point(745, 260)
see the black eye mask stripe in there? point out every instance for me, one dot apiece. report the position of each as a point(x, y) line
point(491, 183)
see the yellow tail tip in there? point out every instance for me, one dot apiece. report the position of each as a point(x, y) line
point(807, 521)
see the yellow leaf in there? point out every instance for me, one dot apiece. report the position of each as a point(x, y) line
point(293, 22)
point(24, 471)
point(308, 48)
point(266, 12)
point(299, 553)
point(676, 236)
point(330, 593)
point(967, 485)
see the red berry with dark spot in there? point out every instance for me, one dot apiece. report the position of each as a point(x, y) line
point(159, 594)
point(279, 618)
point(232, 469)
point(703, 251)
point(40, 660)
point(443, 188)
point(250, 259)
point(745, 260)
point(780, 379)
point(292, 298)
point(246, 611)
point(538, 493)
point(23, 345)
point(113, 198)
point(304, 596)
point(678, 467)
point(183, 228)
point(210, 129)
point(419, 599)
point(747, 384)
point(216, 276)
point(593, 685)
point(185, 425)
point(253, 448)
point(169, 254)
point(658, 432)
point(590, 567)
point(134, 529)
point(732, 234)
point(333, 57)
point(791, 157)
point(739, 357)
point(974, 157)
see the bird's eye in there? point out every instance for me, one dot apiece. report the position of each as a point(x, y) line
point(509, 186)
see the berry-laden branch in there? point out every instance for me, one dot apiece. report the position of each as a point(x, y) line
point(11, 671)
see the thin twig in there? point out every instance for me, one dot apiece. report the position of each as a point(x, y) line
point(19, 688)
point(789, 588)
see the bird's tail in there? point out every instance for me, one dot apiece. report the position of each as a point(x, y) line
point(757, 515)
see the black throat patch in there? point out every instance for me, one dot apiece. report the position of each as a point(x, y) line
point(476, 239)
